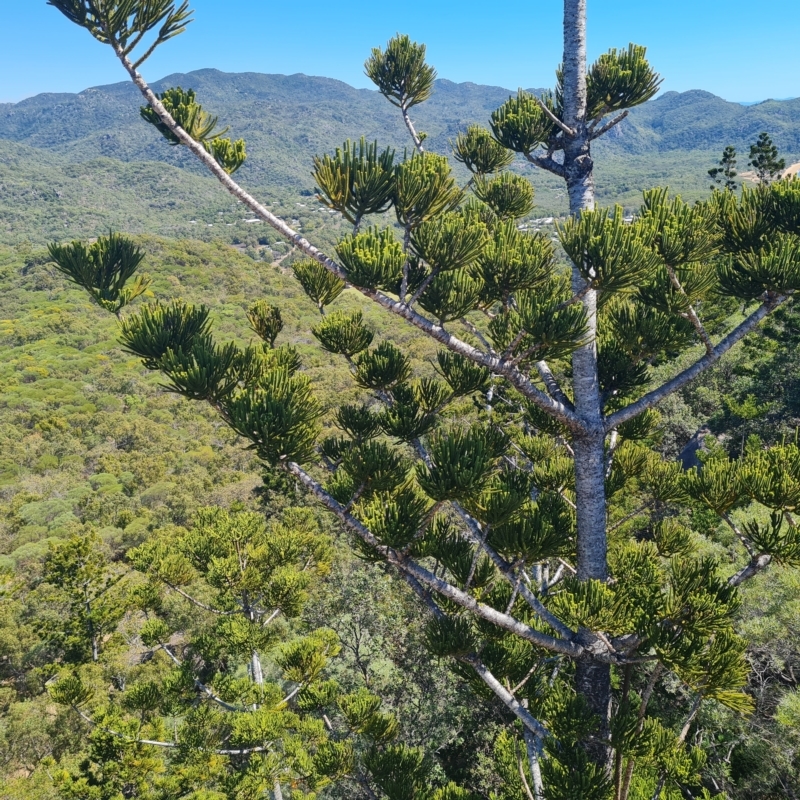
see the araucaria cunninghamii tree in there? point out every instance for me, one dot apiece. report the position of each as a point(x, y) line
point(548, 542)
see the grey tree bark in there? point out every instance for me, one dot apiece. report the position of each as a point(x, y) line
point(255, 668)
point(592, 680)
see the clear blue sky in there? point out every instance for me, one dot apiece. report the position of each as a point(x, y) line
point(742, 51)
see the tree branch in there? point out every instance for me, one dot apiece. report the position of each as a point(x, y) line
point(757, 564)
point(245, 751)
point(508, 699)
point(200, 685)
point(477, 334)
point(657, 672)
point(521, 771)
point(577, 297)
point(428, 579)
point(530, 723)
point(553, 389)
point(547, 163)
point(506, 570)
point(533, 747)
point(553, 118)
point(681, 739)
point(619, 523)
point(593, 134)
point(412, 130)
point(197, 602)
point(691, 313)
point(423, 286)
point(679, 381)
point(740, 536)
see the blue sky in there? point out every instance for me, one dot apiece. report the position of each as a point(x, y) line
point(739, 50)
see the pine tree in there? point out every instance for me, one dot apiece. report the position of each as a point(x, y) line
point(179, 716)
point(85, 593)
point(518, 492)
point(764, 159)
point(724, 175)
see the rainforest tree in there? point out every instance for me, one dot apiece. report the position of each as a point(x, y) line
point(515, 487)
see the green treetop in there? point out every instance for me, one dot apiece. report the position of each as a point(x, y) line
point(222, 695)
point(724, 175)
point(764, 159)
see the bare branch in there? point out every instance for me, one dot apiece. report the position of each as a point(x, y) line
point(757, 564)
point(199, 684)
point(691, 313)
point(429, 580)
point(533, 746)
point(577, 297)
point(612, 449)
point(289, 697)
point(530, 723)
point(271, 618)
point(522, 777)
point(197, 602)
point(412, 130)
point(619, 523)
point(243, 751)
point(740, 536)
point(508, 699)
point(679, 381)
point(655, 675)
point(681, 738)
point(477, 334)
point(593, 134)
point(690, 719)
point(507, 571)
point(547, 163)
point(553, 389)
point(423, 286)
point(509, 351)
point(553, 118)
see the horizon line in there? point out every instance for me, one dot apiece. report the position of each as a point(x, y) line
point(15, 101)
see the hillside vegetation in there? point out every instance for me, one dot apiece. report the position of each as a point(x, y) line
point(75, 165)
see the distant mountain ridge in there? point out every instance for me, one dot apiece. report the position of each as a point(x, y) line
point(286, 119)
point(310, 114)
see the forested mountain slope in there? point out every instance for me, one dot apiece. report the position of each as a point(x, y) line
point(88, 438)
point(286, 120)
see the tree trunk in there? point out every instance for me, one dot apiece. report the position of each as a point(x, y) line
point(534, 749)
point(90, 627)
point(255, 668)
point(592, 680)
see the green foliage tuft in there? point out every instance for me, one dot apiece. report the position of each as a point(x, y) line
point(521, 125)
point(320, 284)
point(479, 152)
point(620, 79)
point(373, 259)
point(103, 269)
point(400, 72)
point(357, 180)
